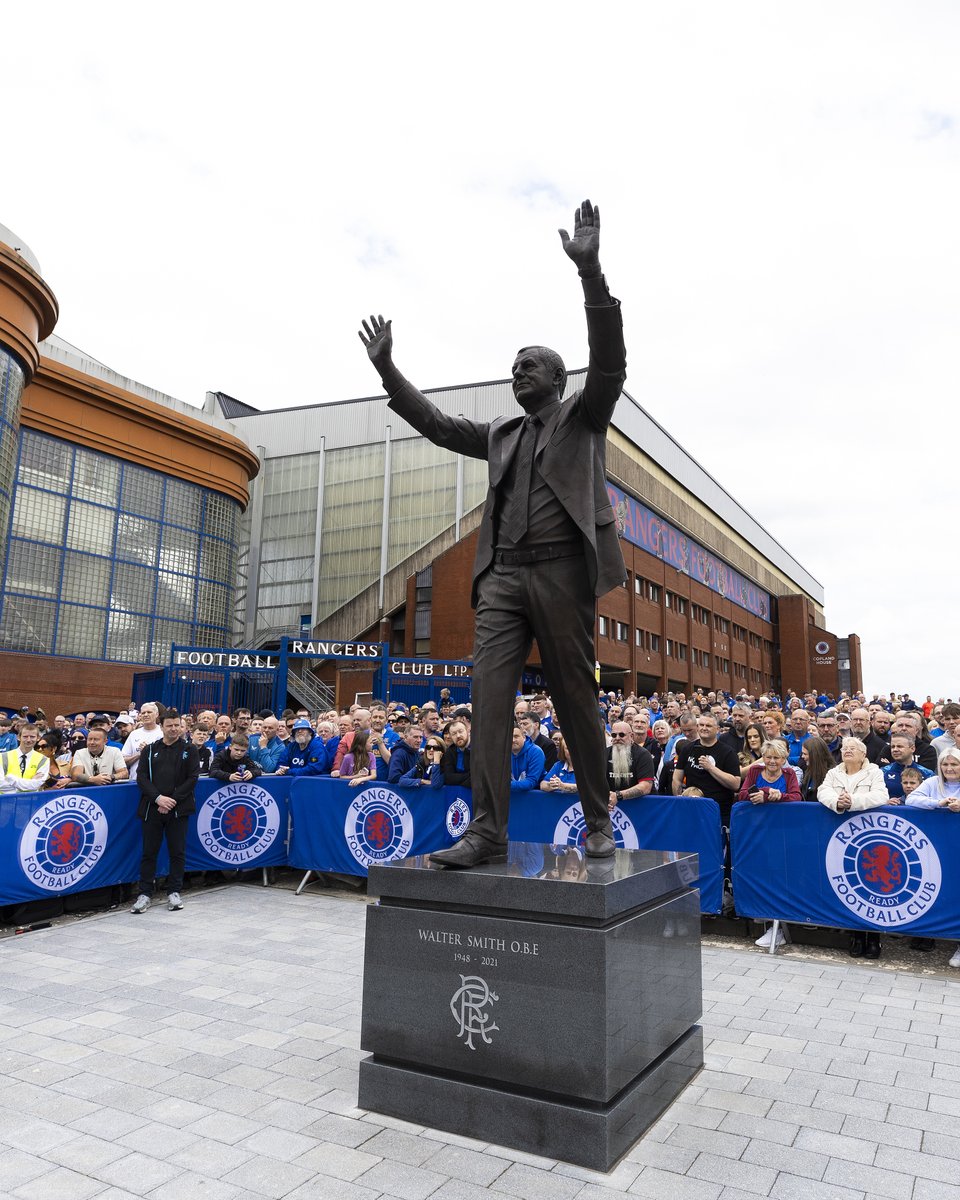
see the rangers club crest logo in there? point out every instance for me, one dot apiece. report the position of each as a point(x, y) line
point(63, 841)
point(237, 823)
point(468, 1005)
point(458, 818)
point(571, 829)
point(883, 869)
point(379, 826)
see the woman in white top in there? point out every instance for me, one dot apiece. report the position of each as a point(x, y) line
point(855, 784)
point(943, 789)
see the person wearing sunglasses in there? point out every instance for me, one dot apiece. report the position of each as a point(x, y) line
point(630, 769)
point(426, 771)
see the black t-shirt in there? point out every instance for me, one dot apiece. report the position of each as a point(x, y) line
point(641, 768)
point(694, 776)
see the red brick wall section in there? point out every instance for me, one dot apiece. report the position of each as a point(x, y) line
point(451, 627)
point(64, 685)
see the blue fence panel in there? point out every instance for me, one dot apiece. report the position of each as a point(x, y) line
point(239, 825)
point(888, 869)
point(339, 828)
point(59, 842)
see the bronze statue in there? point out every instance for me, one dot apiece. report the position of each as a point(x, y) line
point(547, 547)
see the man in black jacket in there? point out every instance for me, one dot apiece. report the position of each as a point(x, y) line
point(167, 775)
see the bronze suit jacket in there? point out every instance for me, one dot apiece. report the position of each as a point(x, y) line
point(571, 456)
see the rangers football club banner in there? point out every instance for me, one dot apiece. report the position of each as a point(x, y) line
point(886, 869)
point(75, 840)
point(344, 829)
point(239, 825)
point(61, 841)
point(672, 823)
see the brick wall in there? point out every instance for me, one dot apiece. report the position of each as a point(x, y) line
point(64, 685)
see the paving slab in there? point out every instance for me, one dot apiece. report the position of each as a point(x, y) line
point(214, 1053)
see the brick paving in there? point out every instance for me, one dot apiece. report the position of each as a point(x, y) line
point(212, 1054)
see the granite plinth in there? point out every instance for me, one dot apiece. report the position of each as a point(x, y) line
point(554, 1126)
point(550, 1015)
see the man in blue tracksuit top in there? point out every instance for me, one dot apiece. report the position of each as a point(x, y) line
point(526, 763)
point(403, 757)
point(305, 753)
point(270, 748)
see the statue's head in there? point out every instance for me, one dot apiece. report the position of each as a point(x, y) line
point(538, 374)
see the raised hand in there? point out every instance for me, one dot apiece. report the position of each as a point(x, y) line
point(584, 246)
point(377, 336)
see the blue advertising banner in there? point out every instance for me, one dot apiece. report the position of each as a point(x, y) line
point(75, 840)
point(342, 829)
point(638, 524)
point(239, 826)
point(682, 823)
point(876, 870)
point(61, 841)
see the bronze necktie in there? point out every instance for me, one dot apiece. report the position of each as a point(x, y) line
point(519, 513)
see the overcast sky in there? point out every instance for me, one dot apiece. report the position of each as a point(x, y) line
point(217, 192)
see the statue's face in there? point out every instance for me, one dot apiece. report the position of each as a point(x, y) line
point(533, 380)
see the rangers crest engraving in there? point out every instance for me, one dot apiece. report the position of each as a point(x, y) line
point(467, 1005)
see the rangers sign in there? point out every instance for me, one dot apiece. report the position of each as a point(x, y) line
point(63, 841)
point(883, 868)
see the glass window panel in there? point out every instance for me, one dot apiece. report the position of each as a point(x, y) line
point(128, 637)
point(12, 381)
point(175, 595)
point(27, 624)
point(96, 477)
point(213, 604)
point(178, 550)
point(133, 588)
point(352, 519)
point(220, 517)
point(218, 560)
point(183, 504)
point(137, 539)
point(38, 516)
point(165, 634)
point(475, 482)
point(64, 546)
point(423, 494)
point(45, 462)
point(86, 579)
point(32, 568)
point(142, 491)
point(91, 528)
point(80, 631)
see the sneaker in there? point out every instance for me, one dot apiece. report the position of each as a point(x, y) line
point(764, 940)
point(174, 903)
point(955, 961)
point(141, 904)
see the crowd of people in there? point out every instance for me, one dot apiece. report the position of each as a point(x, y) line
point(847, 753)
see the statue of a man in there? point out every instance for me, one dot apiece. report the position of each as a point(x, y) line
point(547, 547)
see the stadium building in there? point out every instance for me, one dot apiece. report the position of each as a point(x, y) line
point(131, 522)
